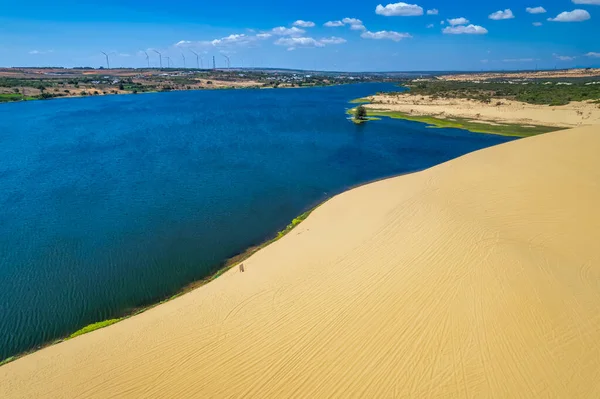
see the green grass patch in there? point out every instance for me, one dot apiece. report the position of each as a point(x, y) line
point(463, 123)
point(363, 100)
point(11, 97)
point(7, 360)
point(94, 327)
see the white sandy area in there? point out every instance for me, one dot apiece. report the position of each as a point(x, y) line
point(571, 115)
point(478, 278)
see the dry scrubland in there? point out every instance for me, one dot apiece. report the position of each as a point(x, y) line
point(479, 277)
point(563, 73)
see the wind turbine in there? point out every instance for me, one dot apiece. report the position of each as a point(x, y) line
point(147, 58)
point(168, 62)
point(159, 57)
point(228, 61)
point(197, 58)
point(107, 62)
point(183, 56)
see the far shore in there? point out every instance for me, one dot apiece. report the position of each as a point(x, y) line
point(499, 116)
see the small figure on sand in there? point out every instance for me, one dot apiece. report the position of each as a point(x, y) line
point(241, 267)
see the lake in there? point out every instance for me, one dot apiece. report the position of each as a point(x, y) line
point(115, 202)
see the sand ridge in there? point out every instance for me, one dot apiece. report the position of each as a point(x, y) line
point(479, 277)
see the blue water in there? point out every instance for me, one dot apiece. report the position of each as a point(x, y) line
point(110, 203)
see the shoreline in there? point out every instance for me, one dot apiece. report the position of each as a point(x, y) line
point(221, 88)
point(226, 265)
point(496, 116)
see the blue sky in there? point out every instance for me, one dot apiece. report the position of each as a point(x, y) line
point(328, 35)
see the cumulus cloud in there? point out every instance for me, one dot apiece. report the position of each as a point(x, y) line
point(563, 57)
point(228, 41)
point(384, 34)
point(304, 24)
point(457, 21)
point(293, 42)
point(537, 24)
point(333, 24)
point(593, 55)
point(499, 15)
point(283, 31)
point(429, 26)
point(588, 2)
point(333, 40)
point(571, 16)
point(433, 12)
point(442, 22)
point(399, 10)
point(465, 30)
point(535, 10)
point(355, 24)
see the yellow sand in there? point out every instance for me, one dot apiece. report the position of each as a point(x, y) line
point(577, 113)
point(477, 278)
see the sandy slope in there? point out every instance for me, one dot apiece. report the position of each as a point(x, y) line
point(577, 113)
point(476, 278)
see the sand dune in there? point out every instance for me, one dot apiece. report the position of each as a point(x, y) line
point(477, 278)
point(574, 114)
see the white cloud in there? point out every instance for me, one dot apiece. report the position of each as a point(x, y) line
point(563, 57)
point(231, 40)
point(333, 40)
point(433, 12)
point(384, 34)
point(518, 60)
point(535, 10)
point(355, 24)
point(499, 15)
point(457, 21)
point(293, 42)
point(537, 24)
point(429, 26)
point(333, 24)
point(442, 22)
point(399, 10)
point(485, 61)
point(465, 30)
point(36, 52)
point(304, 24)
point(588, 2)
point(593, 55)
point(571, 16)
point(283, 31)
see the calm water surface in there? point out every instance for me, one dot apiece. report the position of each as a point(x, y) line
point(109, 203)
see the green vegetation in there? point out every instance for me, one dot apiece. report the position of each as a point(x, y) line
point(93, 327)
point(545, 92)
point(10, 97)
point(7, 360)
point(363, 100)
